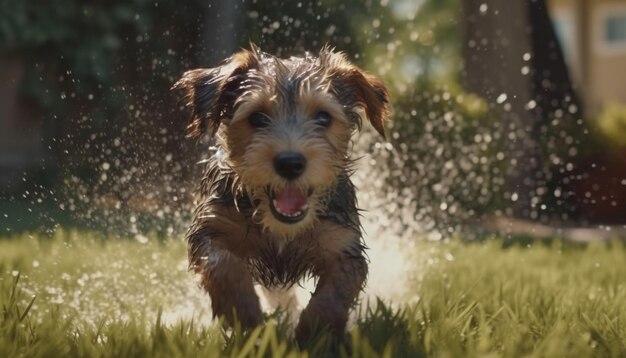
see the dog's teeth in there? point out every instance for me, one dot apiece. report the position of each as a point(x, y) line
point(290, 215)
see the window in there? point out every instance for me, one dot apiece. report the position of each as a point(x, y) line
point(610, 29)
point(615, 29)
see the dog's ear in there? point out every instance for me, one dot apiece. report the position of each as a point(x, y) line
point(354, 86)
point(210, 92)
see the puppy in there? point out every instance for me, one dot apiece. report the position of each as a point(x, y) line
point(276, 202)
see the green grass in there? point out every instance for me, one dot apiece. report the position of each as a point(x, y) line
point(78, 294)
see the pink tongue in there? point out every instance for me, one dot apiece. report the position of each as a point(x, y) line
point(290, 200)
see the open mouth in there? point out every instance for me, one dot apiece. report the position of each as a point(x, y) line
point(289, 204)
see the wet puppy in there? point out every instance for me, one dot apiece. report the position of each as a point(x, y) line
point(276, 202)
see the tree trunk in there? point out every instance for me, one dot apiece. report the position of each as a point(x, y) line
point(513, 59)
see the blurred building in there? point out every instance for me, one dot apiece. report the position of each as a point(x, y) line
point(593, 38)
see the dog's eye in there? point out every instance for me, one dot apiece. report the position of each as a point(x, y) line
point(259, 120)
point(323, 118)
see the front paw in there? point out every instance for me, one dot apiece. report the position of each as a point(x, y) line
point(318, 318)
point(244, 311)
point(249, 317)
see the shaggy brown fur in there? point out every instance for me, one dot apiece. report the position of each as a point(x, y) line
point(276, 201)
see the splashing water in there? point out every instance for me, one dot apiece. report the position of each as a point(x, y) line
point(143, 277)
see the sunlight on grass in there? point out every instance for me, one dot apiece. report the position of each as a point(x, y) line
point(91, 277)
point(78, 294)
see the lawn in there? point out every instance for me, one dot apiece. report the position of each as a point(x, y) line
point(79, 294)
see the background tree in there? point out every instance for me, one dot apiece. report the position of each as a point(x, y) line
point(513, 59)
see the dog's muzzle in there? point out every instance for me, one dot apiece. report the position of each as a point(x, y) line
point(289, 165)
point(290, 203)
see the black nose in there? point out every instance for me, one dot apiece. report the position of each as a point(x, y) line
point(289, 165)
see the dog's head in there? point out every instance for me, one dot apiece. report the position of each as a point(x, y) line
point(284, 126)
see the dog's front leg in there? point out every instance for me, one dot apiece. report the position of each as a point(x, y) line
point(339, 284)
point(227, 280)
point(214, 237)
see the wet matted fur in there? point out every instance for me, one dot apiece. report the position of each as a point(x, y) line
point(276, 202)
